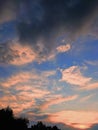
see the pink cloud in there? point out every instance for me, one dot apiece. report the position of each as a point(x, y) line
point(24, 99)
point(17, 103)
point(90, 86)
point(32, 94)
point(86, 98)
point(58, 100)
point(75, 118)
point(63, 48)
point(22, 54)
point(17, 78)
point(72, 75)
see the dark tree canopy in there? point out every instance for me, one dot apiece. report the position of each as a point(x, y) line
point(9, 121)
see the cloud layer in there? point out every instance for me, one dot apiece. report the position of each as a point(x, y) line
point(50, 30)
point(71, 117)
point(39, 23)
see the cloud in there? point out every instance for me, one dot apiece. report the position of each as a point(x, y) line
point(32, 94)
point(72, 75)
point(27, 77)
point(75, 118)
point(8, 10)
point(17, 79)
point(25, 89)
point(90, 86)
point(39, 23)
point(86, 98)
point(63, 48)
point(45, 21)
point(58, 100)
point(15, 103)
point(16, 54)
point(25, 97)
point(36, 117)
point(94, 63)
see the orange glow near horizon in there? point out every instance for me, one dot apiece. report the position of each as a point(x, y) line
point(81, 126)
point(75, 119)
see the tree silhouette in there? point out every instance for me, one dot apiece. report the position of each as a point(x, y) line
point(8, 121)
point(41, 126)
point(6, 118)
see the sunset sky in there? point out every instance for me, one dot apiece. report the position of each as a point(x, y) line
point(49, 61)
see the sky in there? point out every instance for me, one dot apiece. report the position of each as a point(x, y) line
point(49, 61)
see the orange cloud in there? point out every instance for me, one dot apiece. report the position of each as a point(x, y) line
point(25, 77)
point(90, 86)
point(17, 104)
point(24, 99)
point(72, 75)
point(22, 54)
point(77, 119)
point(32, 94)
point(63, 48)
point(17, 78)
point(58, 100)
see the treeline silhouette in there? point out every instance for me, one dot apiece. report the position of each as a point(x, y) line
point(9, 121)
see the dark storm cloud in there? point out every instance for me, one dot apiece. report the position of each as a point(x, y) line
point(46, 19)
point(8, 9)
point(5, 53)
point(40, 22)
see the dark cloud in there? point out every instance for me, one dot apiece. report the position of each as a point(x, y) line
point(5, 53)
point(46, 19)
point(40, 22)
point(40, 117)
point(8, 10)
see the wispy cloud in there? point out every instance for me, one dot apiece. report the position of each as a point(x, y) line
point(24, 88)
point(18, 78)
point(86, 98)
point(75, 118)
point(26, 77)
point(14, 102)
point(32, 94)
point(58, 100)
point(90, 86)
point(94, 63)
point(25, 99)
